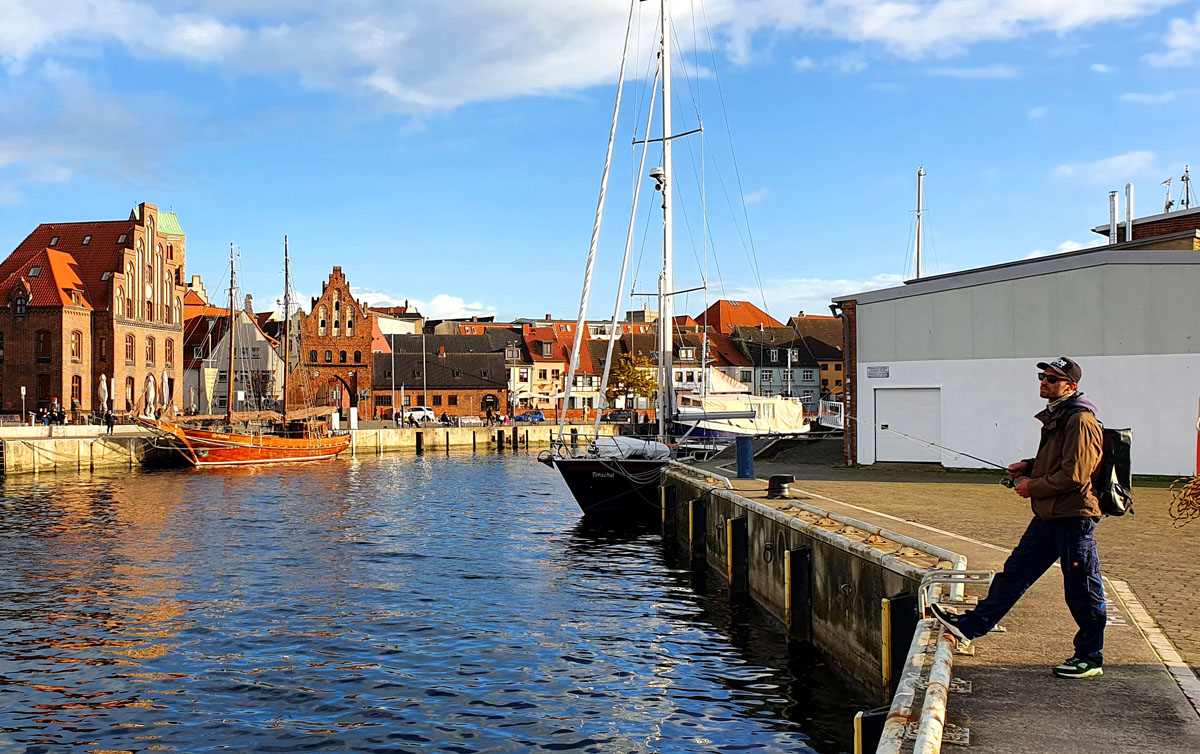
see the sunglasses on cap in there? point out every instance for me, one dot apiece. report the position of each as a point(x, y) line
point(1053, 379)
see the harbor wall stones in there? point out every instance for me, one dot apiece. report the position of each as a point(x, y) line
point(30, 450)
point(839, 607)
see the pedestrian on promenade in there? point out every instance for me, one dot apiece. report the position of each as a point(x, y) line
point(109, 421)
point(1058, 484)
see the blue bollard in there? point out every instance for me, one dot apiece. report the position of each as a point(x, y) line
point(745, 458)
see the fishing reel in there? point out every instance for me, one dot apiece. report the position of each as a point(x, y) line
point(1009, 482)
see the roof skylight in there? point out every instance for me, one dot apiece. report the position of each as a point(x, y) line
point(122, 238)
point(54, 241)
point(34, 271)
point(106, 276)
point(87, 240)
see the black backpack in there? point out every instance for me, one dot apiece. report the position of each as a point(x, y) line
point(1113, 479)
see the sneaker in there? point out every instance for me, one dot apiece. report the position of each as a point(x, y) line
point(952, 621)
point(1077, 668)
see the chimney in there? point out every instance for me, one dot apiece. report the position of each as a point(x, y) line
point(441, 350)
point(549, 317)
point(1128, 212)
point(1112, 217)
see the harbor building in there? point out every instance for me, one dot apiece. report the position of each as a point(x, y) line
point(91, 299)
point(823, 337)
point(335, 367)
point(950, 359)
point(783, 363)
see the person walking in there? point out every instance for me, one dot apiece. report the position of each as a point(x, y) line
point(1058, 484)
point(109, 421)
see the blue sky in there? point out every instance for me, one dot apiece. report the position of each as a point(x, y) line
point(450, 153)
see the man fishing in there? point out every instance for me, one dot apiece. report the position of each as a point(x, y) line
point(1058, 483)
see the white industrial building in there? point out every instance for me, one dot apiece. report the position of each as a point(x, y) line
point(951, 359)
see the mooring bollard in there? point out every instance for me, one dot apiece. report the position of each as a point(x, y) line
point(745, 458)
point(420, 443)
point(500, 440)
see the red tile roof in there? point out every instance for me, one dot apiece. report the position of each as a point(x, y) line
point(101, 254)
point(725, 315)
point(57, 276)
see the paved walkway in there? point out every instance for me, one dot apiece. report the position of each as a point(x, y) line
point(1016, 705)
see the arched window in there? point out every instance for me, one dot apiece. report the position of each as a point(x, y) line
point(76, 391)
point(149, 351)
point(337, 305)
point(119, 302)
point(350, 326)
point(76, 344)
point(342, 356)
point(336, 323)
point(129, 393)
point(321, 323)
point(170, 251)
point(169, 354)
point(329, 357)
point(312, 356)
point(358, 357)
point(129, 349)
point(177, 312)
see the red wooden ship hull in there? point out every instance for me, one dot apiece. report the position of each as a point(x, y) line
point(202, 447)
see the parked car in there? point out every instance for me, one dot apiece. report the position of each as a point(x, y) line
point(419, 413)
point(618, 416)
point(533, 417)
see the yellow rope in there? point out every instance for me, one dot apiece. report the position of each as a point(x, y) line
point(1185, 500)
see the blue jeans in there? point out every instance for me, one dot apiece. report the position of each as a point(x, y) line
point(1070, 541)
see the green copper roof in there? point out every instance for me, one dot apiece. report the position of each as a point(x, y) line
point(168, 223)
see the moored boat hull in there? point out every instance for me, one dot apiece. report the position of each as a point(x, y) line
point(204, 448)
point(613, 487)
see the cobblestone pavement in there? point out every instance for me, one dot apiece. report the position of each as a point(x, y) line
point(1160, 561)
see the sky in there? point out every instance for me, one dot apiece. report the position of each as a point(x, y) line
point(450, 154)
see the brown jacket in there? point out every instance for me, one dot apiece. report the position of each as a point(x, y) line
point(1060, 478)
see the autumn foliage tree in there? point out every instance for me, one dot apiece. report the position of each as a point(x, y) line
point(631, 376)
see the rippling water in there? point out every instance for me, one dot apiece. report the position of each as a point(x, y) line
point(451, 604)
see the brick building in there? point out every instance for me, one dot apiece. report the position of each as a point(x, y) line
point(335, 351)
point(458, 384)
point(87, 299)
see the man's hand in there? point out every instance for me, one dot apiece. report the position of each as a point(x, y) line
point(1017, 469)
point(1022, 487)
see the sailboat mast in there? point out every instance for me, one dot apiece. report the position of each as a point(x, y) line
point(666, 319)
point(229, 382)
point(287, 325)
point(920, 212)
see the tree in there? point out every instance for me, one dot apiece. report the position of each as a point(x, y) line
point(631, 376)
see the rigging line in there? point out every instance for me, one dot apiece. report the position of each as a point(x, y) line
point(677, 48)
point(624, 262)
point(928, 443)
point(737, 171)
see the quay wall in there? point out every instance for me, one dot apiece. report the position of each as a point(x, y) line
point(824, 580)
point(39, 450)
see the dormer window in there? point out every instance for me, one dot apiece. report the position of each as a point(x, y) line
point(774, 354)
point(87, 240)
point(54, 241)
point(547, 349)
point(76, 299)
point(20, 306)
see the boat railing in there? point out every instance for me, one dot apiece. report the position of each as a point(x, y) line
point(576, 443)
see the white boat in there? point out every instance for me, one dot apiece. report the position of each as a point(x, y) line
point(730, 416)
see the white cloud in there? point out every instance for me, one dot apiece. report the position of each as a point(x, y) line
point(1139, 98)
point(786, 297)
point(1117, 169)
point(441, 306)
point(1038, 112)
point(804, 64)
point(754, 197)
point(994, 71)
point(1066, 246)
point(503, 49)
point(1182, 42)
point(1102, 68)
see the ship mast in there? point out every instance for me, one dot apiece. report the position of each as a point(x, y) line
point(666, 282)
point(287, 323)
point(229, 383)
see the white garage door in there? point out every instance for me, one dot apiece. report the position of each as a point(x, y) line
point(913, 411)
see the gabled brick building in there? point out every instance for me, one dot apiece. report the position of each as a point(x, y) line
point(335, 351)
point(87, 299)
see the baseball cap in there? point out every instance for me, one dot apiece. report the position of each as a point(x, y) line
point(1064, 366)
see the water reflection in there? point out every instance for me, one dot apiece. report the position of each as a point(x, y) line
point(403, 604)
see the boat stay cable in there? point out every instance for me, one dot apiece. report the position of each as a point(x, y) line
point(589, 269)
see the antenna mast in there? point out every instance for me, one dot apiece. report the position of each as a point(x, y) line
point(920, 211)
point(287, 328)
point(232, 321)
point(1187, 187)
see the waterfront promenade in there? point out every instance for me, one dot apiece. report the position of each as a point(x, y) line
point(1015, 704)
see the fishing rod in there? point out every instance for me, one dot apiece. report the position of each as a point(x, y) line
point(1006, 481)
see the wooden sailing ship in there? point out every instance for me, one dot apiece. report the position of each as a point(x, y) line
point(284, 437)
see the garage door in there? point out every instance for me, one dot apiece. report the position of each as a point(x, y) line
point(913, 411)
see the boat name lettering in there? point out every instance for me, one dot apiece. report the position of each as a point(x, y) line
point(603, 475)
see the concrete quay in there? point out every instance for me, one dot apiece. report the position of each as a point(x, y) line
point(1149, 698)
point(75, 448)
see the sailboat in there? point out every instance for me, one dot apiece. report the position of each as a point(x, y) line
point(227, 446)
point(619, 477)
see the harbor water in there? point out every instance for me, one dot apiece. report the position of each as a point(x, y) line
point(443, 603)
